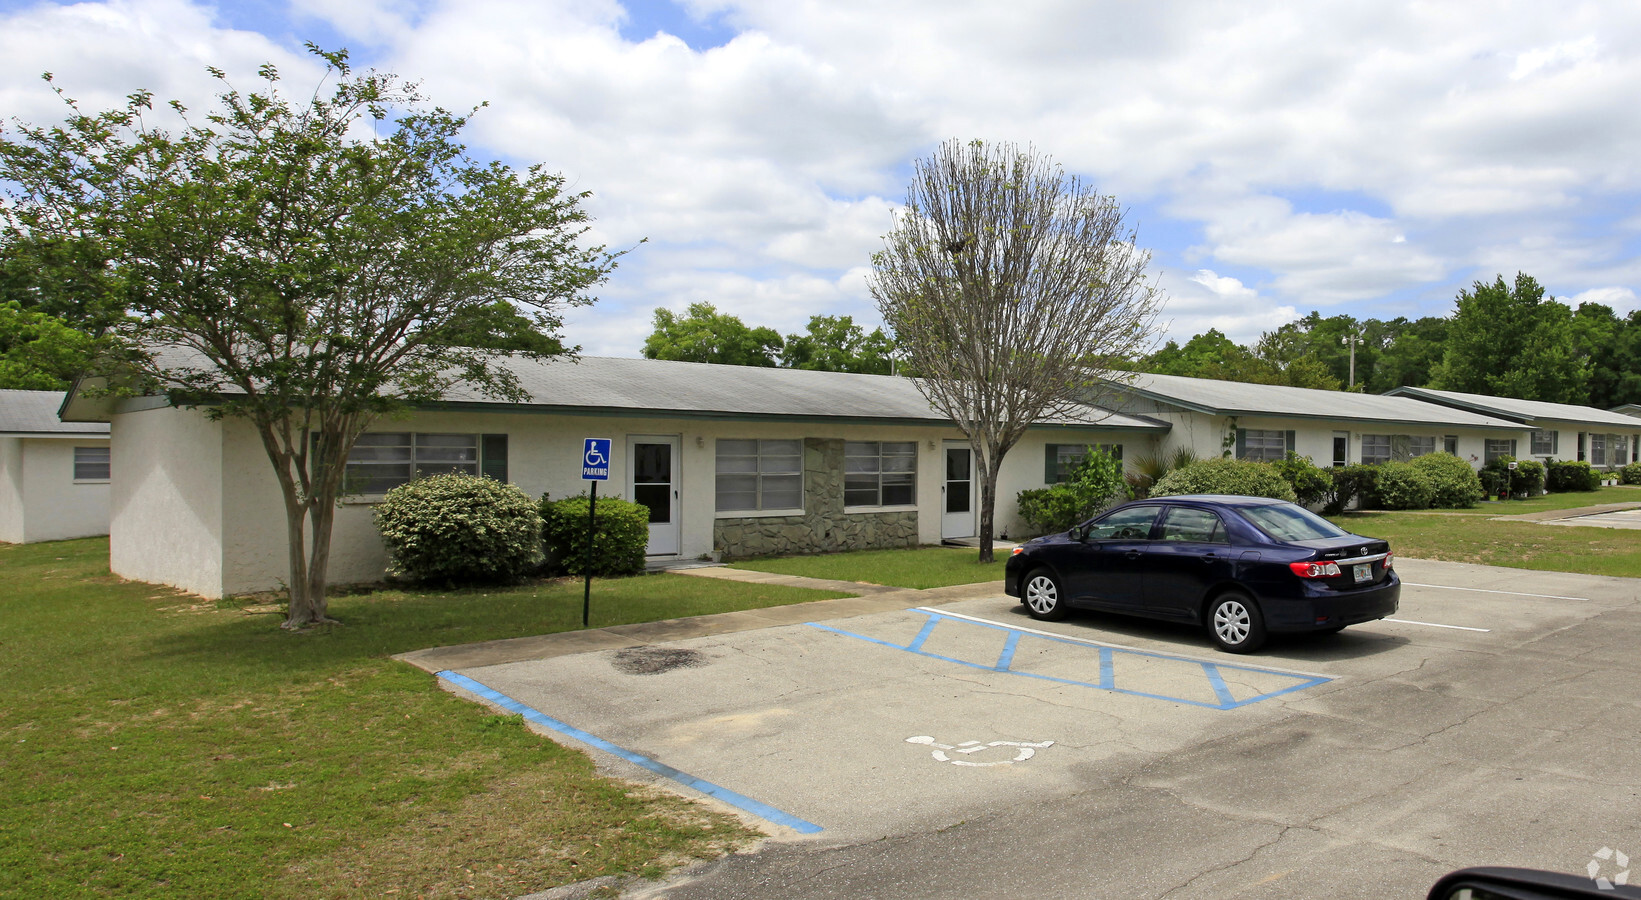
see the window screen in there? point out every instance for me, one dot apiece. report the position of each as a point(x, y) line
point(381, 461)
point(91, 463)
point(879, 473)
point(758, 475)
point(1375, 449)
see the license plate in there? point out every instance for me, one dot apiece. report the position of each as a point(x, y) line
point(1364, 572)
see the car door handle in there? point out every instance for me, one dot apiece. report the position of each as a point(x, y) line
point(1210, 557)
point(1132, 554)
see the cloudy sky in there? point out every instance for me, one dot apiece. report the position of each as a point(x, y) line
point(1276, 157)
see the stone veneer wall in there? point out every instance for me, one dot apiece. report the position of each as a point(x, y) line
point(824, 527)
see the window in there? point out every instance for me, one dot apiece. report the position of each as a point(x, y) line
point(91, 463)
point(1375, 449)
point(759, 475)
point(1060, 460)
point(1598, 449)
point(1450, 444)
point(1132, 523)
point(1618, 446)
point(1263, 445)
point(879, 473)
point(1341, 448)
point(382, 460)
point(1544, 443)
point(1198, 525)
point(1418, 445)
point(1497, 447)
point(1287, 522)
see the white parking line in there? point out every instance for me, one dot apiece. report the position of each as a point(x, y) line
point(1449, 587)
point(1438, 625)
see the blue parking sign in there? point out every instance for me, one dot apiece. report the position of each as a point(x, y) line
point(595, 460)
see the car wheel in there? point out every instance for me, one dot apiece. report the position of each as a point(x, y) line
point(1235, 624)
point(1043, 597)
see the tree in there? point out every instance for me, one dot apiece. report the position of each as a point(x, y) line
point(1213, 355)
point(1510, 341)
point(837, 344)
point(1012, 290)
point(39, 352)
point(301, 266)
point(703, 334)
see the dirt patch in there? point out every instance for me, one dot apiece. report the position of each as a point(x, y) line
point(655, 660)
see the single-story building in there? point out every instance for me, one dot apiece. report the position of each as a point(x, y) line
point(1333, 428)
point(730, 460)
point(1559, 431)
point(53, 474)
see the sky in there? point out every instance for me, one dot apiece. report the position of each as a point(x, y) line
point(1370, 159)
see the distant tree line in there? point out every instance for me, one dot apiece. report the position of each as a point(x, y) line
point(1502, 339)
point(831, 343)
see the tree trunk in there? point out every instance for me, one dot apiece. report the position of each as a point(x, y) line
point(300, 613)
point(324, 515)
point(988, 504)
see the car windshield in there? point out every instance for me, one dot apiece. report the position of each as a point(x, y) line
point(1287, 522)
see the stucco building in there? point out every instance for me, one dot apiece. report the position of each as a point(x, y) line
point(54, 475)
point(1557, 431)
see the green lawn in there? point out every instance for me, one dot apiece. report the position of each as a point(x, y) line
point(1570, 500)
point(160, 745)
point(922, 567)
point(1522, 545)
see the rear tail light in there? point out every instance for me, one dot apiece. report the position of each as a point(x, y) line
point(1314, 569)
point(1390, 558)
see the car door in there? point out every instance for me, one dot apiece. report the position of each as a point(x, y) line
point(1106, 566)
point(1191, 553)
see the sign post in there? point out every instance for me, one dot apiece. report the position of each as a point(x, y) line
point(595, 467)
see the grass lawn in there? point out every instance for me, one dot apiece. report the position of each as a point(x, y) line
point(158, 744)
point(1570, 500)
point(922, 567)
point(1521, 545)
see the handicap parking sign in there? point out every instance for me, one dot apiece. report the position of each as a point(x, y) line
point(595, 460)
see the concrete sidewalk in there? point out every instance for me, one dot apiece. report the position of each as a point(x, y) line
point(875, 598)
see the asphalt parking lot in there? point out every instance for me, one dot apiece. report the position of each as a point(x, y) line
point(928, 750)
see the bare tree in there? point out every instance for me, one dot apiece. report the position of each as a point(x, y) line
point(1011, 290)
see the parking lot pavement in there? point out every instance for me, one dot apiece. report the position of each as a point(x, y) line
point(940, 749)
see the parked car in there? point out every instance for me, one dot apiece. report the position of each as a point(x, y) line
point(1242, 567)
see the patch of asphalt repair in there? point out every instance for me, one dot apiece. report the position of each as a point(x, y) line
point(655, 660)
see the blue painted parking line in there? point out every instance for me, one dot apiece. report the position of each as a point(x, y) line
point(1214, 673)
point(761, 810)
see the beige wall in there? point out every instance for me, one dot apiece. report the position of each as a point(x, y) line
point(39, 498)
point(165, 522)
point(11, 490)
point(1205, 434)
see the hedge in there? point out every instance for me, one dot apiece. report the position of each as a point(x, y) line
point(459, 527)
point(1568, 475)
point(622, 532)
point(1453, 483)
point(1225, 476)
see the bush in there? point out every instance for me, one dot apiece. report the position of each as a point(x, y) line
point(1402, 485)
point(459, 527)
point(621, 533)
point(1150, 468)
point(1453, 484)
point(1567, 475)
point(1528, 478)
point(1225, 476)
point(1096, 483)
point(1350, 483)
point(1630, 474)
point(1310, 482)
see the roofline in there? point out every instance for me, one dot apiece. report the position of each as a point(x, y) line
point(57, 435)
point(1285, 414)
point(1423, 395)
point(609, 412)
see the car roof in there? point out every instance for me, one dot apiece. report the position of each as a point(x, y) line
point(1218, 500)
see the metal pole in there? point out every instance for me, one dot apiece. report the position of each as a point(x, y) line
point(587, 588)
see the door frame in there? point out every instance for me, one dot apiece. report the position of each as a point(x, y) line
point(973, 527)
point(674, 529)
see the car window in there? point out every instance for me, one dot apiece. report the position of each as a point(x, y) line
point(1287, 522)
point(1182, 523)
point(1131, 523)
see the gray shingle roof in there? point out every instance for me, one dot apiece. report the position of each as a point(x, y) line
point(1529, 411)
point(1234, 398)
point(654, 386)
point(35, 412)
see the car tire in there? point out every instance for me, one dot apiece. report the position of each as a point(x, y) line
point(1043, 596)
point(1235, 623)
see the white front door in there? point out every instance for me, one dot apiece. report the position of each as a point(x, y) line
point(652, 480)
point(957, 512)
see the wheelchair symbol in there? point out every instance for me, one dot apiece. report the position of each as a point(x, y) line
point(1024, 750)
point(595, 459)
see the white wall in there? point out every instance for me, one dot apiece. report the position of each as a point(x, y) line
point(56, 506)
point(11, 490)
point(1204, 434)
point(165, 522)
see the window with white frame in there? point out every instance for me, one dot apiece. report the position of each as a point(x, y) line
point(759, 475)
point(1618, 447)
point(879, 473)
point(91, 463)
point(382, 460)
point(1598, 449)
point(1375, 449)
point(1497, 447)
point(1544, 442)
point(1420, 445)
point(1264, 445)
point(1061, 460)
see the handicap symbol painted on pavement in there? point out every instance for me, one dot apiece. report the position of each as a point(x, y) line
point(1024, 750)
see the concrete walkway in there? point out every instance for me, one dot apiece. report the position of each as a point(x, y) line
point(874, 598)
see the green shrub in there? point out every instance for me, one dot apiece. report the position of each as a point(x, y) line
point(458, 528)
point(1453, 484)
point(1528, 478)
point(1149, 469)
point(621, 533)
point(1096, 483)
point(1350, 484)
point(1310, 482)
point(1402, 485)
point(1225, 476)
point(1630, 474)
point(1569, 475)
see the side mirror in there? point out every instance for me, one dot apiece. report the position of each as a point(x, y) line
point(1076, 533)
point(1499, 883)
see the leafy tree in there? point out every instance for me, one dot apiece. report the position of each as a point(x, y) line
point(1213, 355)
point(66, 277)
point(703, 334)
point(39, 352)
point(286, 264)
point(1510, 341)
point(1412, 350)
point(1012, 290)
point(837, 344)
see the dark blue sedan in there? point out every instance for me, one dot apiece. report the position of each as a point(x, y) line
point(1242, 567)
